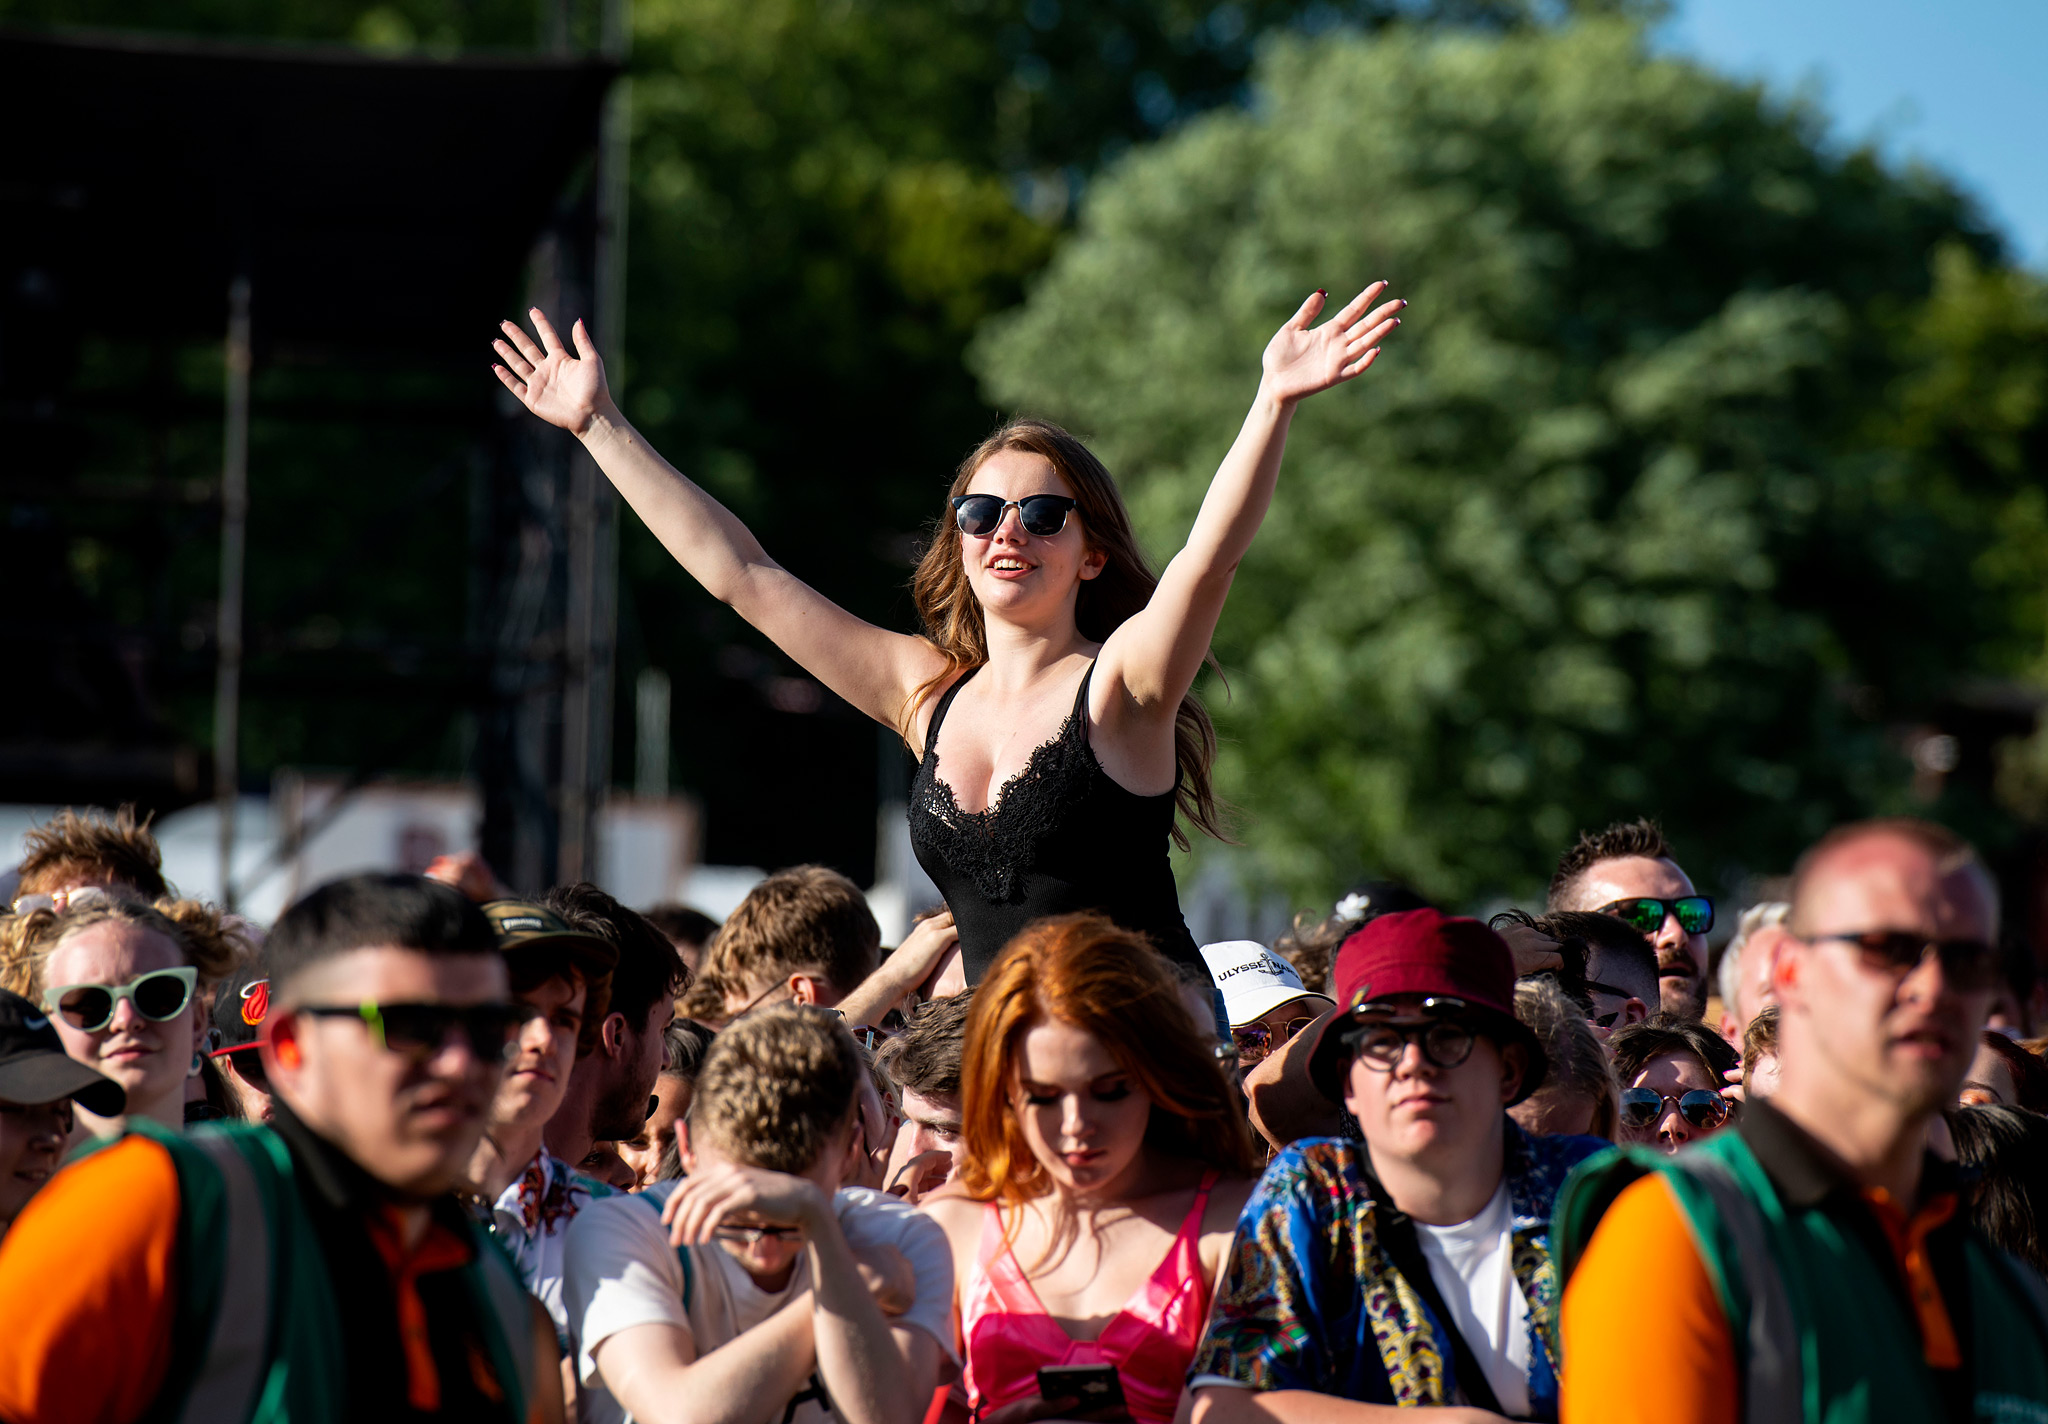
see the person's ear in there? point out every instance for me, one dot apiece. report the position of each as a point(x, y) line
point(1514, 1066)
point(1634, 1012)
point(803, 989)
point(612, 1036)
point(1785, 965)
point(282, 1048)
point(1093, 562)
point(683, 1152)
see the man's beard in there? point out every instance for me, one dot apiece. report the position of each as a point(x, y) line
point(1689, 1001)
point(620, 1114)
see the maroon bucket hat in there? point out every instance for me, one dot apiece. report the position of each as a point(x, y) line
point(1429, 953)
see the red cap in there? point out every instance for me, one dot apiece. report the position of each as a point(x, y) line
point(1423, 952)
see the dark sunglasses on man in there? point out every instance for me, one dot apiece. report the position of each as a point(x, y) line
point(417, 1031)
point(1041, 514)
point(1641, 1108)
point(1967, 964)
point(1646, 914)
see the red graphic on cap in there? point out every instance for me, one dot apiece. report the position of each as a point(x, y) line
point(256, 1002)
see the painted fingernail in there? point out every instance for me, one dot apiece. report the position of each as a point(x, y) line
point(1322, 291)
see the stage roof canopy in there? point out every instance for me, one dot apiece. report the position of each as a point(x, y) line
point(370, 200)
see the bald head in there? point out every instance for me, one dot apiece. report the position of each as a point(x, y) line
point(1899, 873)
point(1870, 1047)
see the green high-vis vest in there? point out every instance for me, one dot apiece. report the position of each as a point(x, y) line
point(1821, 1333)
point(257, 1339)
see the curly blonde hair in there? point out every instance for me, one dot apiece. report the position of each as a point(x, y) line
point(204, 938)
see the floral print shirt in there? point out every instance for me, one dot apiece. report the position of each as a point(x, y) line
point(531, 1220)
point(1311, 1300)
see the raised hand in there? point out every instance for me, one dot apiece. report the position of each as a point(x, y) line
point(561, 389)
point(1301, 360)
point(771, 1200)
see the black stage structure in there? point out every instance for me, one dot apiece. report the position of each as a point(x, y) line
point(179, 528)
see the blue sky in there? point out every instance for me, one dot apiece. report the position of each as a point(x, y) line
point(1962, 84)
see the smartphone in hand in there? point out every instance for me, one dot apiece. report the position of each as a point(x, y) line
point(1095, 1387)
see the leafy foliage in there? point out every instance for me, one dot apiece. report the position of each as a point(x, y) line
point(1626, 520)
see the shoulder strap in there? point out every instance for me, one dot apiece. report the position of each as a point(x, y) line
point(1192, 1226)
point(1774, 1376)
point(236, 1353)
point(1081, 696)
point(1404, 1248)
point(931, 731)
point(656, 1197)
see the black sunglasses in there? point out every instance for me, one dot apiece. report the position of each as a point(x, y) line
point(1446, 1040)
point(1967, 964)
point(1640, 1107)
point(1041, 514)
point(1646, 914)
point(419, 1030)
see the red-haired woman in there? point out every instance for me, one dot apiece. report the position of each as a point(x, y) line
point(1050, 696)
point(1106, 1159)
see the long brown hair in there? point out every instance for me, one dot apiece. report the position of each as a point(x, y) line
point(1083, 970)
point(953, 619)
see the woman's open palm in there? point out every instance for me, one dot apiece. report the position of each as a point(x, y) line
point(1301, 360)
point(561, 389)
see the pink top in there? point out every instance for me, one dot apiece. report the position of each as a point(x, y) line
point(1008, 1335)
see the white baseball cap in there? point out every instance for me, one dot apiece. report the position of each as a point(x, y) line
point(1254, 980)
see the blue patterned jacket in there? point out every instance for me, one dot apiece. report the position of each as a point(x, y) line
point(1311, 1301)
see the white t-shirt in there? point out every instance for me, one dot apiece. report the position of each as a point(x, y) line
point(621, 1272)
point(1472, 1264)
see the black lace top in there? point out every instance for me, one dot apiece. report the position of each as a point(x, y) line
point(1059, 836)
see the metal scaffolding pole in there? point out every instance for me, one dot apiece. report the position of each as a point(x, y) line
point(591, 645)
point(234, 540)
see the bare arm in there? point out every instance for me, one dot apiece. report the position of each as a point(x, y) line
point(1229, 1404)
point(553, 1388)
point(876, 1373)
point(656, 1375)
point(872, 668)
point(1285, 1103)
point(1155, 655)
point(910, 965)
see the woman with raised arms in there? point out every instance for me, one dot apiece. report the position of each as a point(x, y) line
point(1050, 696)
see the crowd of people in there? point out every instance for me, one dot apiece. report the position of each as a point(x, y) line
point(413, 1152)
point(429, 1148)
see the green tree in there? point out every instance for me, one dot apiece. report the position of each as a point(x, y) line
point(1626, 520)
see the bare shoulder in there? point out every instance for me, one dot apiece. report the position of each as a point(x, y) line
point(1227, 1199)
point(916, 721)
point(1226, 1203)
point(1219, 1222)
point(956, 1212)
